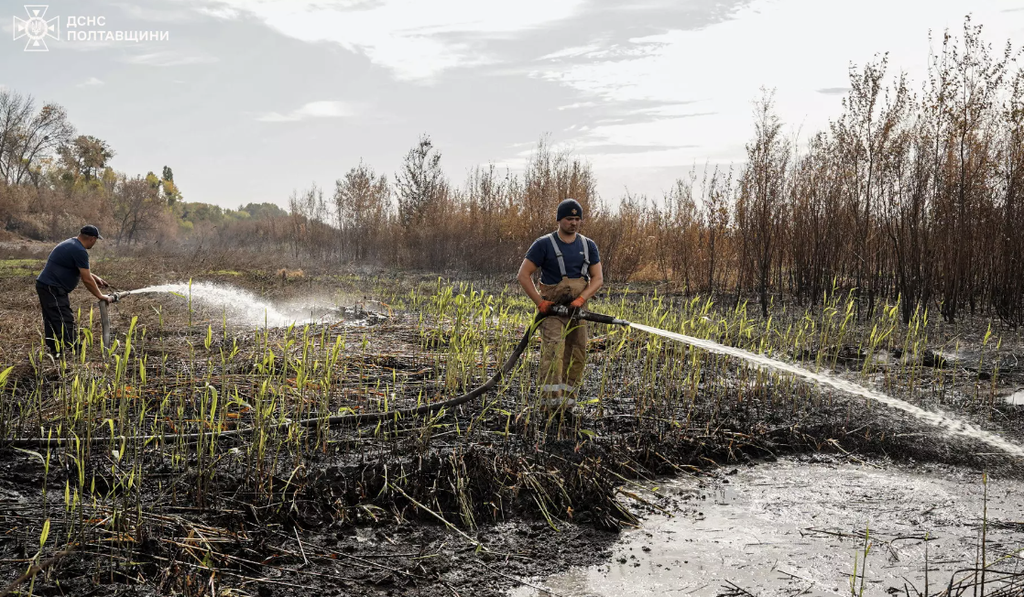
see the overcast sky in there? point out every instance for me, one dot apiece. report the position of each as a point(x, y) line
point(248, 100)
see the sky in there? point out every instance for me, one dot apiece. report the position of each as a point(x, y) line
point(251, 100)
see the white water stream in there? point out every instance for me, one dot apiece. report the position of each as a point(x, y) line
point(240, 306)
point(244, 307)
point(947, 423)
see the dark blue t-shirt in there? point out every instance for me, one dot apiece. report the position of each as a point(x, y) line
point(542, 254)
point(62, 266)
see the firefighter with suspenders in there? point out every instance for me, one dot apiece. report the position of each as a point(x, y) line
point(571, 274)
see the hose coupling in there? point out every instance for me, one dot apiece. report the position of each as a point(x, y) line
point(566, 311)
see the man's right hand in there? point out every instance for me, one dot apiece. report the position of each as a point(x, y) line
point(545, 307)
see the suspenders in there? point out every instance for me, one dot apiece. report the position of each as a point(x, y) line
point(561, 260)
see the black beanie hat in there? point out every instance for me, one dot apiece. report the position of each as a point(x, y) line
point(569, 207)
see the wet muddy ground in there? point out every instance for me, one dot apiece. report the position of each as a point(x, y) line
point(344, 532)
point(800, 527)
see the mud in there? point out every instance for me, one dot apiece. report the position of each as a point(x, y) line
point(241, 547)
point(338, 529)
point(801, 526)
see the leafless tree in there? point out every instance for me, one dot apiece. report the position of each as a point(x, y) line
point(28, 137)
point(761, 203)
point(137, 208)
point(362, 203)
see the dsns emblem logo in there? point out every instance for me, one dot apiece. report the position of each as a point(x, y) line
point(36, 28)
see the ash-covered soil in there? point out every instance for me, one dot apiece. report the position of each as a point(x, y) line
point(464, 504)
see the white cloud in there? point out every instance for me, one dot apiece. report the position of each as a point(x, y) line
point(412, 38)
point(153, 12)
point(574, 52)
point(220, 12)
point(798, 47)
point(90, 82)
point(321, 109)
point(169, 59)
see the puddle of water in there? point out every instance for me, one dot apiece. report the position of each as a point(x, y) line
point(1016, 398)
point(789, 527)
point(949, 357)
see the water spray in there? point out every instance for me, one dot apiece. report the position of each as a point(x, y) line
point(358, 418)
point(949, 424)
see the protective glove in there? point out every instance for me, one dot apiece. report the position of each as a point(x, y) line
point(578, 302)
point(545, 307)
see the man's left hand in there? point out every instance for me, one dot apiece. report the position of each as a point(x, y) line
point(578, 302)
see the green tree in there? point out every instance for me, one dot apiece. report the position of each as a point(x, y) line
point(85, 156)
point(263, 211)
point(170, 190)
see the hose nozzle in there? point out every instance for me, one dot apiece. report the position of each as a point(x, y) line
point(105, 315)
point(565, 311)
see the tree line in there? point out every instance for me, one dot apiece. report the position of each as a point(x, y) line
point(53, 179)
point(913, 192)
point(910, 193)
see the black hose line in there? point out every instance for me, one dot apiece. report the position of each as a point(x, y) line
point(351, 419)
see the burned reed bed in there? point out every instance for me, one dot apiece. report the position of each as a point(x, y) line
point(198, 457)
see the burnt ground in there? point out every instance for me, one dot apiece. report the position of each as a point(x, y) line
point(362, 516)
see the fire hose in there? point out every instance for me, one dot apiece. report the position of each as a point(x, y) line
point(347, 419)
point(105, 318)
